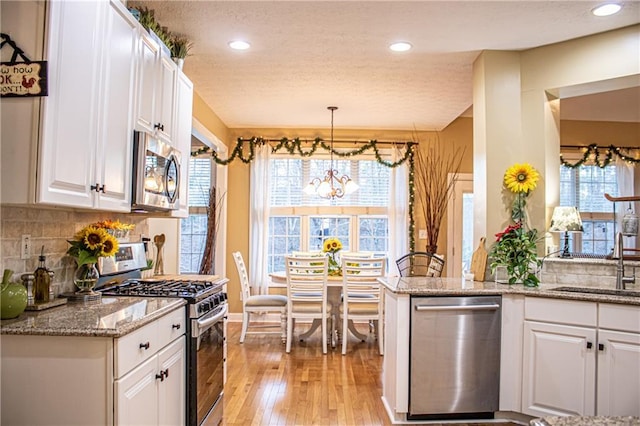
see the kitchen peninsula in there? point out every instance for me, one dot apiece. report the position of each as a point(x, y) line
point(545, 334)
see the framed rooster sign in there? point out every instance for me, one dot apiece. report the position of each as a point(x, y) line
point(21, 79)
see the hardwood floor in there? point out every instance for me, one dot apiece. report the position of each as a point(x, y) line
point(267, 386)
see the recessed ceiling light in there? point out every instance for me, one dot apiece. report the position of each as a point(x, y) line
point(401, 46)
point(606, 9)
point(239, 45)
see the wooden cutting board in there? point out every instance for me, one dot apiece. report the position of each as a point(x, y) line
point(479, 261)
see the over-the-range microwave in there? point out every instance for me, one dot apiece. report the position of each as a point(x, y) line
point(156, 174)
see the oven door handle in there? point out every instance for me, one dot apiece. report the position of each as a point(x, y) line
point(204, 323)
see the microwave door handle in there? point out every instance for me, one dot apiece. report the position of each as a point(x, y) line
point(172, 197)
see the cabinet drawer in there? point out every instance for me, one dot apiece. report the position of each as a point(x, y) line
point(619, 317)
point(560, 311)
point(170, 327)
point(136, 347)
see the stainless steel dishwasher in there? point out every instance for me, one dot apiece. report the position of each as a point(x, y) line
point(454, 370)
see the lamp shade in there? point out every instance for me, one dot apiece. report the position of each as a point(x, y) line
point(566, 219)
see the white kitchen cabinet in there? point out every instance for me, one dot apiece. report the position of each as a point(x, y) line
point(153, 393)
point(183, 119)
point(580, 358)
point(618, 360)
point(86, 129)
point(157, 79)
point(559, 357)
point(558, 370)
point(82, 380)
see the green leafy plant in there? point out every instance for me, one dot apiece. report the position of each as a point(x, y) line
point(515, 249)
point(180, 46)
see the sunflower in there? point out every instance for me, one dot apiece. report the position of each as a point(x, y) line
point(331, 245)
point(94, 237)
point(521, 178)
point(109, 246)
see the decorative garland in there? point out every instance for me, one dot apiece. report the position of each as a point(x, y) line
point(593, 150)
point(294, 147)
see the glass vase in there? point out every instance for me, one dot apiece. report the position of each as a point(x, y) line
point(333, 268)
point(85, 278)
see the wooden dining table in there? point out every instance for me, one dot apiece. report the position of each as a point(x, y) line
point(334, 298)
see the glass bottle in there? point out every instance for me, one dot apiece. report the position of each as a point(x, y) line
point(42, 280)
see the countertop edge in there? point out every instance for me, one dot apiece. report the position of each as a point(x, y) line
point(543, 291)
point(119, 331)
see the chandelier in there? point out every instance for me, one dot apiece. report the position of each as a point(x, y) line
point(332, 185)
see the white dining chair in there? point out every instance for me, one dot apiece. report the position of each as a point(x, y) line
point(307, 294)
point(259, 304)
point(362, 295)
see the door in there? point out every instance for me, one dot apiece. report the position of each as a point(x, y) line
point(460, 237)
point(171, 392)
point(618, 373)
point(136, 395)
point(559, 370)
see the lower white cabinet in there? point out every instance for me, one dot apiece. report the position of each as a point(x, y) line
point(618, 360)
point(580, 358)
point(153, 393)
point(558, 370)
point(136, 379)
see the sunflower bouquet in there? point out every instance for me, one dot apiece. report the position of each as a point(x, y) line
point(90, 243)
point(515, 247)
point(332, 246)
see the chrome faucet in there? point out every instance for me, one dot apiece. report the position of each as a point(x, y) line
point(621, 279)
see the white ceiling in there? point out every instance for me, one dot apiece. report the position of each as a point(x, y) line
point(307, 55)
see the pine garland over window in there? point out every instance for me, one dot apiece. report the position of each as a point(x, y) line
point(294, 147)
point(593, 152)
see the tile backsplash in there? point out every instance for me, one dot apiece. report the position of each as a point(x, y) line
point(51, 228)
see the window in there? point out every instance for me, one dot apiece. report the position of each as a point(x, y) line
point(301, 222)
point(584, 187)
point(193, 229)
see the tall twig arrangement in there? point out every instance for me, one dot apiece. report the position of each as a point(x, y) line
point(433, 167)
point(214, 210)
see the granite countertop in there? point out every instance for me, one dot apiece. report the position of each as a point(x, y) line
point(586, 420)
point(110, 317)
point(428, 286)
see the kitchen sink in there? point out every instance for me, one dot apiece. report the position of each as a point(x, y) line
point(604, 291)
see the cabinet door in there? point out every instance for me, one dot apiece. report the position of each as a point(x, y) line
point(618, 373)
point(171, 392)
point(149, 52)
point(115, 152)
point(66, 161)
point(166, 95)
point(559, 369)
point(183, 119)
point(136, 395)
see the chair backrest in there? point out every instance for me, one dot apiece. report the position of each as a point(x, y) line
point(360, 278)
point(306, 278)
point(307, 254)
point(244, 276)
point(356, 254)
point(420, 264)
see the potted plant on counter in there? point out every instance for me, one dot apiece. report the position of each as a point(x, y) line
point(515, 251)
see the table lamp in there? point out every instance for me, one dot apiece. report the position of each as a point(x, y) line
point(566, 219)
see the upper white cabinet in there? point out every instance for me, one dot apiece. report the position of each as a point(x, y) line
point(184, 107)
point(86, 129)
point(156, 89)
point(106, 77)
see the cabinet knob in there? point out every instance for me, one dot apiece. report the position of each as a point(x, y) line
point(160, 376)
point(159, 126)
point(176, 326)
point(144, 346)
point(589, 345)
point(600, 347)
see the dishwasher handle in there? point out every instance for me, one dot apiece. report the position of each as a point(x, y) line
point(487, 307)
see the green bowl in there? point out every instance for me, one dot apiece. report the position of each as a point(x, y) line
point(13, 300)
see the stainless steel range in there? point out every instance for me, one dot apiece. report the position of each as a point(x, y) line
point(206, 324)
